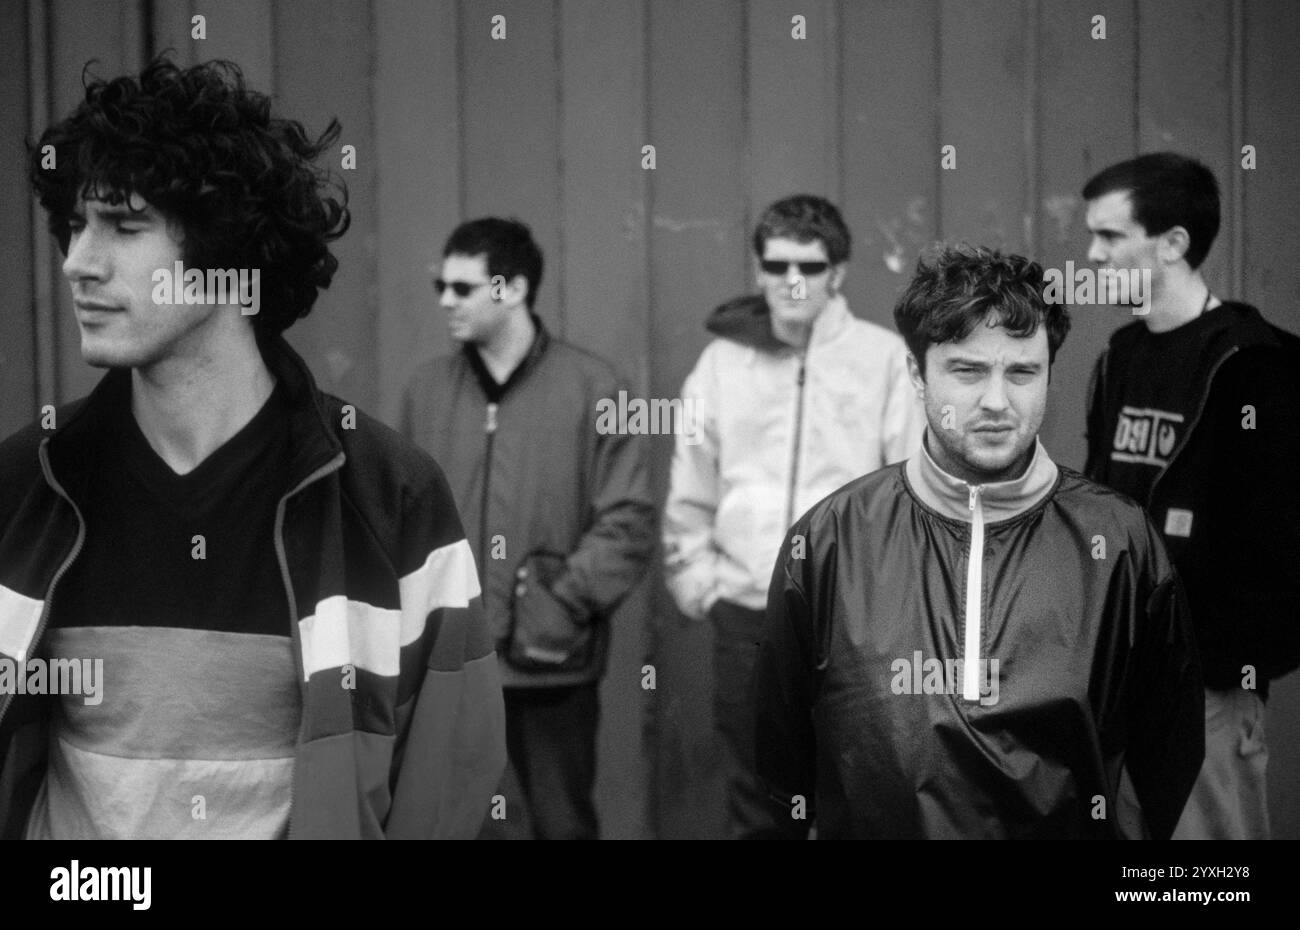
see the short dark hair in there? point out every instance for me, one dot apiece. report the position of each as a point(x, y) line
point(1166, 190)
point(962, 285)
point(204, 150)
point(805, 218)
point(508, 245)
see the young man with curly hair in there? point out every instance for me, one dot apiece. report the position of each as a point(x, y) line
point(977, 642)
point(278, 586)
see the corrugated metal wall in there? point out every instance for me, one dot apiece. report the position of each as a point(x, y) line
point(549, 123)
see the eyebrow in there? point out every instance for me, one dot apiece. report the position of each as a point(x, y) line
point(979, 363)
point(114, 212)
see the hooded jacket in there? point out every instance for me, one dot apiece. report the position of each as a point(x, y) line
point(380, 582)
point(779, 429)
point(1227, 501)
point(557, 507)
point(991, 661)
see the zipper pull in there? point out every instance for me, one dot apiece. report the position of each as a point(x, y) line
point(975, 495)
point(491, 425)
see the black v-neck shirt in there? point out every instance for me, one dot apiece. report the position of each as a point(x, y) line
point(142, 565)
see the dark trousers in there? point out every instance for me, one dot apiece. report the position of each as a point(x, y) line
point(737, 632)
point(551, 767)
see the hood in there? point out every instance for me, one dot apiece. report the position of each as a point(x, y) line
point(746, 320)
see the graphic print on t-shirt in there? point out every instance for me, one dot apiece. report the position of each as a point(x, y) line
point(1146, 436)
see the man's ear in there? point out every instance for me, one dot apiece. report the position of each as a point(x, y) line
point(1174, 243)
point(515, 291)
point(837, 277)
point(914, 372)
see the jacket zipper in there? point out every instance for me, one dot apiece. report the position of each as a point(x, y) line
point(794, 452)
point(295, 635)
point(1187, 436)
point(490, 429)
point(970, 681)
point(63, 569)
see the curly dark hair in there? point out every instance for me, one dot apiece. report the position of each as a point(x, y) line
point(805, 218)
point(961, 285)
point(206, 152)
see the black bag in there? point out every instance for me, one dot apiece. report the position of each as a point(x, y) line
point(545, 633)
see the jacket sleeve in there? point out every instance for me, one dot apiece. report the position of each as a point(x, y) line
point(451, 736)
point(690, 558)
point(783, 690)
point(904, 414)
point(1166, 707)
point(615, 550)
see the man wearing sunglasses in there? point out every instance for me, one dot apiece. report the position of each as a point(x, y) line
point(559, 514)
point(797, 397)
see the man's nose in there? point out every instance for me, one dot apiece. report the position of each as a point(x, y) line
point(1096, 252)
point(995, 394)
point(448, 299)
point(85, 259)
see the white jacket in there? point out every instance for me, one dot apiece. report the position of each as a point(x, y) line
point(739, 481)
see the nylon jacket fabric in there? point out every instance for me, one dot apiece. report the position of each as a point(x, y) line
point(555, 486)
point(1097, 681)
point(770, 447)
point(403, 723)
point(1234, 472)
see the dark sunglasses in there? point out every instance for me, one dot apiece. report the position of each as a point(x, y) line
point(459, 288)
point(807, 269)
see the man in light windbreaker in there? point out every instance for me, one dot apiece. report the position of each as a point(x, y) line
point(977, 642)
point(276, 588)
point(796, 397)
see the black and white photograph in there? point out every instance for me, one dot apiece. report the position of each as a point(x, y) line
point(649, 420)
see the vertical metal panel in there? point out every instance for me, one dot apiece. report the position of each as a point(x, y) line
point(417, 138)
point(1271, 279)
point(699, 256)
point(323, 69)
point(792, 102)
point(603, 204)
point(1086, 118)
point(603, 187)
point(889, 150)
point(173, 29)
point(1183, 98)
point(510, 90)
point(981, 102)
point(241, 31)
point(18, 321)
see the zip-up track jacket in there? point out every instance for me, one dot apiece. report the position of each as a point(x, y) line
point(779, 430)
point(381, 587)
point(1066, 610)
point(534, 476)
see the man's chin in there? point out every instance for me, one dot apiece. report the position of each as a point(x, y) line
point(97, 355)
point(993, 465)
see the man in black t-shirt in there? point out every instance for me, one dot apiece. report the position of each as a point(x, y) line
point(1194, 411)
point(273, 591)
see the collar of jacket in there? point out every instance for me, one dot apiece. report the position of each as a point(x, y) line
point(748, 321)
point(1002, 500)
point(493, 390)
point(312, 441)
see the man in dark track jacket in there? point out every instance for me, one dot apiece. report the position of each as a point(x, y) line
point(1194, 412)
point(977, 642)
point(276, 587)
point(557, 508)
